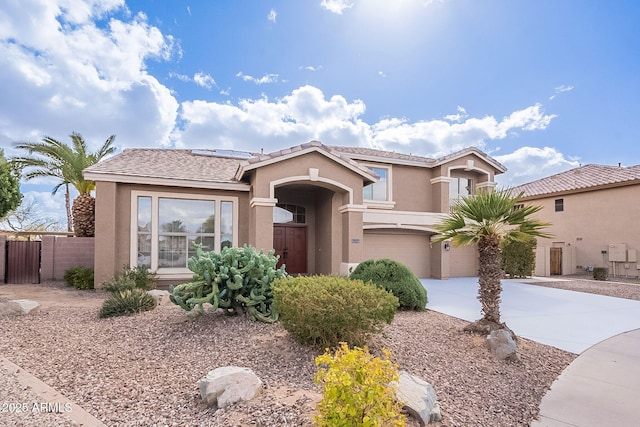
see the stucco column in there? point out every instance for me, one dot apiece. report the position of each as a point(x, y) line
point(352, 237)
point(261, 223)
point(106, 232)
point(440, 260)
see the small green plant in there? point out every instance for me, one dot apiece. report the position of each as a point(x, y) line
point(600, 273)
point(79, 277)
point(326, 310)
point(358, 389)
point(137, 277)
point(127, 302)
point(395, 278)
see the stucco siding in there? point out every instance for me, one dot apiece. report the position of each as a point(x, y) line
point(590, 222)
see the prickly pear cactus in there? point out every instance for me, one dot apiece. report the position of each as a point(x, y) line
point(237, 280)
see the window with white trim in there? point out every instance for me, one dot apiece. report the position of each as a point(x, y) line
point(460, 187)
point(169, 226)
point(379, 191)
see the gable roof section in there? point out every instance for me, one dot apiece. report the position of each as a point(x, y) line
point(499, 167)
point(370, 154)
point(313, 146)
point(168, 167)
point(581, 179)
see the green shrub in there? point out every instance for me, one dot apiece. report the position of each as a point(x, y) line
point(600, 273)
point(358, 389)
point(79, 277)
point(326, 310)
point(127, 302)
point(120, 283)
point(137, 277)
point(395, 278)
point(518, 259)
point(237, 280)
point(141, 277)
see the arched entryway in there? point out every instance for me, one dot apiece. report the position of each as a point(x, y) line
point(307, 228)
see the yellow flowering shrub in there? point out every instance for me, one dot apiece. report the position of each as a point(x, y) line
point(358, 389)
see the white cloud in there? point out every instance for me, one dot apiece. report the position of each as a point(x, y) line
point(307, 114)
point(60, 72)
point(560, 89)
point(311, 68)
point(267, 78)
point(530, 163)
point(382, 74)
point(272, 15)
point(462, 114)
point(181, 77)
point(336, 6)
point(204, 80)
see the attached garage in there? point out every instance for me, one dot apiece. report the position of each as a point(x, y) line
point(410, 248)
point(464, 261)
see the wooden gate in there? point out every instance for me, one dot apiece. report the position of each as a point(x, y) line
point(556, 261)
point(23, 261)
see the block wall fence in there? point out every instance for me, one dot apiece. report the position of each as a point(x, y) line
point(57, 254)
point(60, 253)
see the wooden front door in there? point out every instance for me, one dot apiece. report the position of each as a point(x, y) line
point(556, 261)
point(290, 243)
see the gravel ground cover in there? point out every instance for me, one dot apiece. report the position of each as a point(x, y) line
point(143, 370)
point(615, 287)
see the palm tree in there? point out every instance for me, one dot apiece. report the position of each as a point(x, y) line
point(486, 219)
point(52, 158)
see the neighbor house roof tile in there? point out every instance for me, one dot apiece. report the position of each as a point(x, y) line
point(580, 179)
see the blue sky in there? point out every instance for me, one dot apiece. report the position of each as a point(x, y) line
point(541, 85)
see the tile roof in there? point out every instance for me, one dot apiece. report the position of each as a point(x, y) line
point(168, 164)
point(223, 166)
point(581, 179)
point(256, 160)
point(371, 152)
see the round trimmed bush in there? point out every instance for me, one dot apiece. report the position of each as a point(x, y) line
point(323, 311)
point(395, 278)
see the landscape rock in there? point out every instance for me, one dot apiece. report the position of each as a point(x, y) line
point(161, 297)
point(418, 398)
point(227, 385)
point(503, 346)
point(17, 307)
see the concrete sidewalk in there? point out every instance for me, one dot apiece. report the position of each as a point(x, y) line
point(600, 388)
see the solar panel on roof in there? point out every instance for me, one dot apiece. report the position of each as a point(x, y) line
point(223, 153)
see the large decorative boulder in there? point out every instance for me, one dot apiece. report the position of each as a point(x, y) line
point(17, 307)
point(418, 398)
point(227, 385)
point(503, 346)
point(161, 297)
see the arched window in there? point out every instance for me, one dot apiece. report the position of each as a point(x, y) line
point(289, 214)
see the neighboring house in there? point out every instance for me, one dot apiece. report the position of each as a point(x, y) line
point(323, 209)
point(594, 211)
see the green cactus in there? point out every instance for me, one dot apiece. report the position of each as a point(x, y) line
point(237, 280)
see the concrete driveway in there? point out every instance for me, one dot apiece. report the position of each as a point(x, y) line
point(569, 320)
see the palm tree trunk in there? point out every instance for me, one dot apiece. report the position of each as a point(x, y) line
point(489, 276)
point(67, 202)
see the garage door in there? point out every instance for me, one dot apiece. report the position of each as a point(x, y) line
point(463, 261)
point(411, 250)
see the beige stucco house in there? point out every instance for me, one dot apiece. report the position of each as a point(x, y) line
point(323, 209)
point(594, 213)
